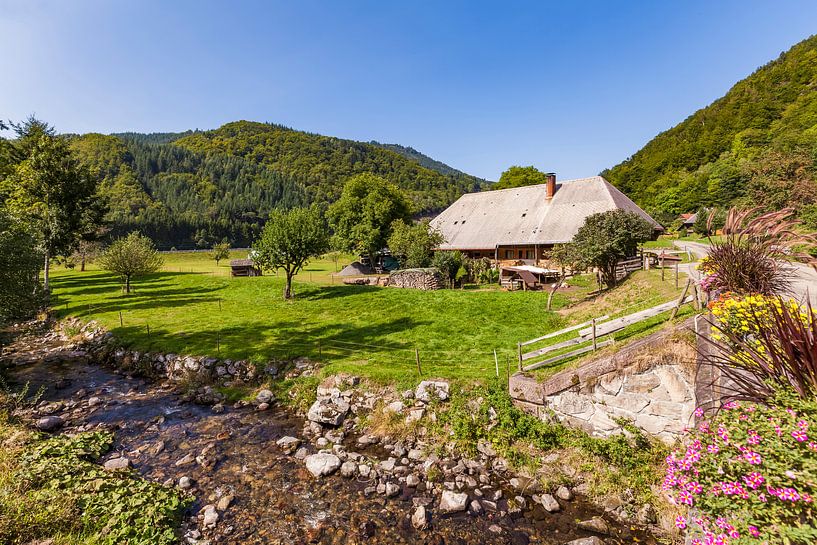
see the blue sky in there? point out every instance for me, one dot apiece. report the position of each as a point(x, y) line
point(571, 87)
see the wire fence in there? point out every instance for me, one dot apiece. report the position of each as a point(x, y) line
point(398, 357)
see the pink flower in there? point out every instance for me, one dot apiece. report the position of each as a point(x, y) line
point(723, 433)
point(754, 438)
point(799, 435)
point(778, 430)
point(685, 498)
point(680, 522)
point(699, 412)
point(802, 424)
point(753, 531)
point(713, 449)
point(753, 480)
point(752, 457)
point(695, 487)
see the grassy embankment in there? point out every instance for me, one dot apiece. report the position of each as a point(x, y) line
point(194, 307)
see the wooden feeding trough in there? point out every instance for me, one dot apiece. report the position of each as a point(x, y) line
point(244, 267)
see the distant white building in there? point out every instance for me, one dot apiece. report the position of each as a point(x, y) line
point(522, 223)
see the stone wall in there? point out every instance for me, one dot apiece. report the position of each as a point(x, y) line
point(199, 372)
point(649, 382)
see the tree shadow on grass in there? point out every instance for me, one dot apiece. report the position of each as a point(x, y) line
point(283, 340)
point(321, 293)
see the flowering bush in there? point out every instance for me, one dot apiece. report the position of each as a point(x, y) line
point(749, 475)
point(761, 341)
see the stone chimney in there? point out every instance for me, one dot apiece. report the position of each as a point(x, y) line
point(551, 185)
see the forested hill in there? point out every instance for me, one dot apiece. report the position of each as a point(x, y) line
point(422, 159)
point(195, 188)
point(322, 163)
point(757, 145)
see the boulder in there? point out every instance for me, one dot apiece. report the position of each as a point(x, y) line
point(432, 389)
point(264, 396)
point(185, 483)
point(420, 518)
point(115, 464)
point(348, 469)
point(548, 502)
point(210, 516)
point(50, 423)
point(453, 502)
point(596, 524)
point(592, 540)
point(288, 444)
point(330, 411)
point(322, 464)
point(564, 493)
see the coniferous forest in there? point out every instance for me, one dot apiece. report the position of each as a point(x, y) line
point(193, 189)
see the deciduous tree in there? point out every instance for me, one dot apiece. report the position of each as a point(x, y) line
point(131, 257)
point(221, 250)
point(517, 176)
point(363, 216)
point(607, 237)
point(19, 270)
point(414, 244)
point(289, 240)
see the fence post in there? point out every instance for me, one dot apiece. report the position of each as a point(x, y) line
point(680, 300)
point(219, 304)
point(148, 329)
point(417, 358)
point(593, 331)
point(121, 324)
point(496, 363)
point(218, 341)
point(676, 276)
point(519, 349)
point(662, 269)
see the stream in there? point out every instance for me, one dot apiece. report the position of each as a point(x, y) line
point(233, 453)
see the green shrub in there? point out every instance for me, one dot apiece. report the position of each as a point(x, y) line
point(53, 488)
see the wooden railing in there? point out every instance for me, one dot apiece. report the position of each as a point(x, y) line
point(595, 334)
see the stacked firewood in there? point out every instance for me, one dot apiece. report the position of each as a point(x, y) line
point(421, 279)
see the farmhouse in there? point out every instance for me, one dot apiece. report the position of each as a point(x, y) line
point(519, 225)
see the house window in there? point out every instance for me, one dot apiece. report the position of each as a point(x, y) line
point(529, 254)
point(477, 254)
point(509, 254)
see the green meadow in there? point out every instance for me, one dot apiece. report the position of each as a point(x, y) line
point(195, 307)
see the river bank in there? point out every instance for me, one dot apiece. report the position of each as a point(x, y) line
point(252, 487)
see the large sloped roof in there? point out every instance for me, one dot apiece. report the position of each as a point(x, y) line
point(524, 215)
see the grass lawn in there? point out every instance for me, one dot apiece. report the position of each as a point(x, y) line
point(365, 330)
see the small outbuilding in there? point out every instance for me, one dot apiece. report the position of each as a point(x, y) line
point(244, 267)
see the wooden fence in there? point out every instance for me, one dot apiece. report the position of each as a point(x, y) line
point(595, 334)
point(625, 267)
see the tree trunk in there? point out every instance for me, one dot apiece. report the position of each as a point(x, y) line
point(555, 287)
point(288, 288)
point(46, 271)
point(82, 264)
point(127, 285)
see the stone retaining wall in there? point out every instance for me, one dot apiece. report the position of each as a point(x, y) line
point(202, 371)
point(649, 382)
